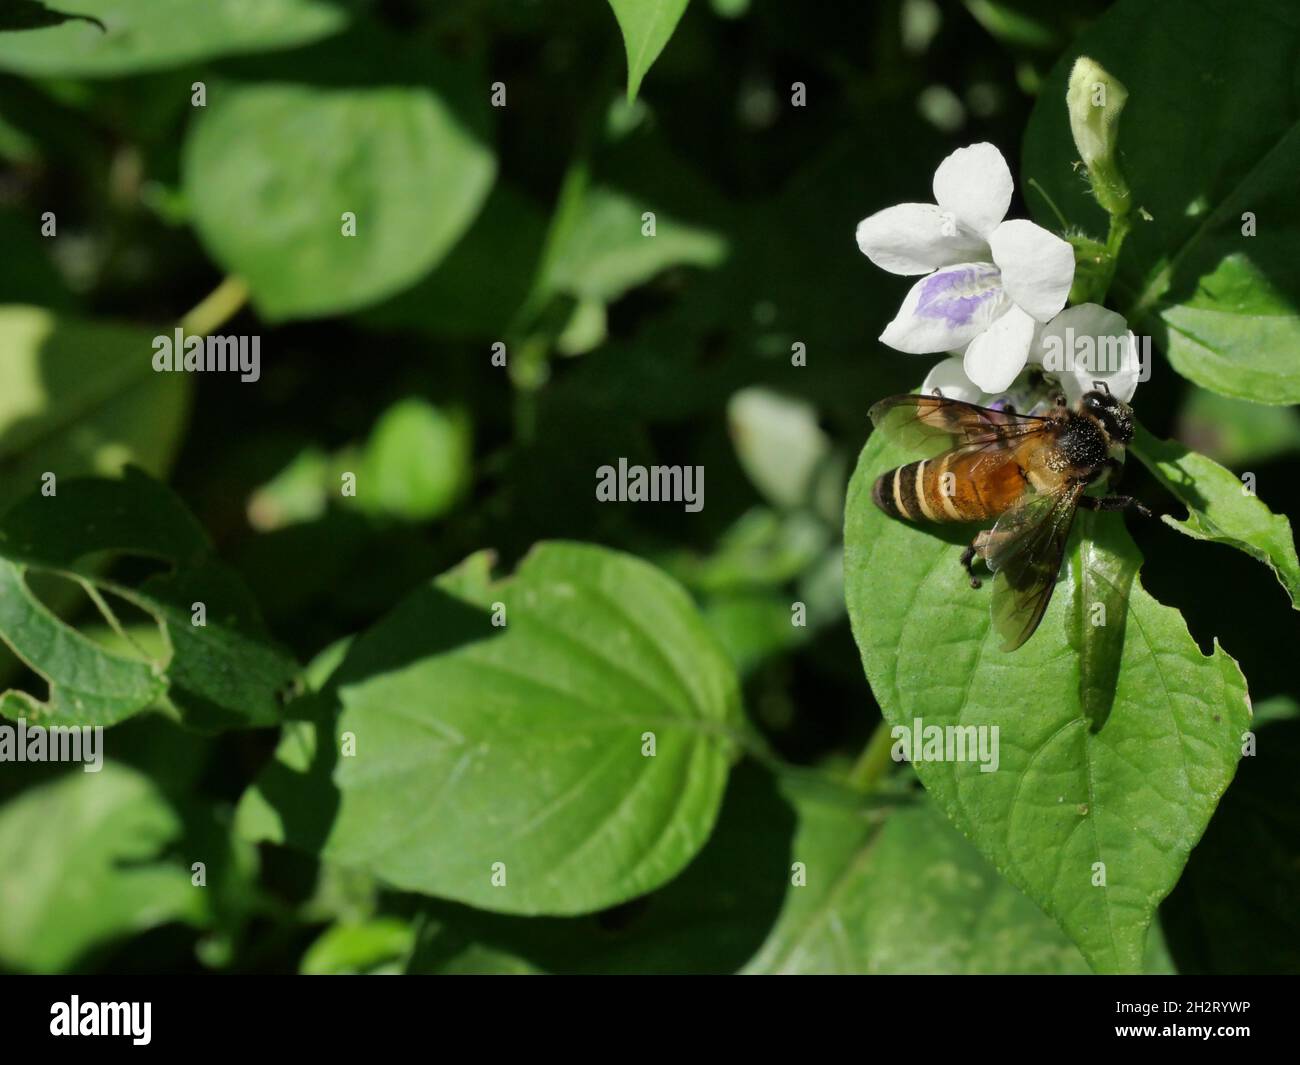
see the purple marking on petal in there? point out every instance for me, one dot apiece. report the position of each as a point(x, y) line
point(955, 295)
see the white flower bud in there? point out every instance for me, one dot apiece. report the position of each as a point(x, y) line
point(1095, 98)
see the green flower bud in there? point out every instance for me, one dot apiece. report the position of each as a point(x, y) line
point(1095, 99)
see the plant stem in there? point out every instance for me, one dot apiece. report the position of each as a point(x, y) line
point(1033, 184)
point(1119, 227)
point(874, 761)
point(216, 308)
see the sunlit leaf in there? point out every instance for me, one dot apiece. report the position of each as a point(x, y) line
point(1089, 783)
point(1222, 507)
point(501, 764)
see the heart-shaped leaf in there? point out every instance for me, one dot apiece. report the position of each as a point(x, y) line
point(327, 200)
point(1098, 794)
point(553, 743)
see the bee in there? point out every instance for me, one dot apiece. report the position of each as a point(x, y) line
point(1027, 471)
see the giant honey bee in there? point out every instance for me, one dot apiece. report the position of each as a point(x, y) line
point(1027, 471)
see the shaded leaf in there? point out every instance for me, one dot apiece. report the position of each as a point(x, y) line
point(1224, 304)
point(902, 892)
point(222, 673)
point(1236, 432)
point(1234, 909)
point(81, 397)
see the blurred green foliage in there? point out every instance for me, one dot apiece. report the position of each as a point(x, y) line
point(500, 326)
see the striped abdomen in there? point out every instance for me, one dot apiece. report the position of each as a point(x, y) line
point(950, 488)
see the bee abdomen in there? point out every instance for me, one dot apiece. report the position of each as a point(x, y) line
point(927, 491)
point(896, 493)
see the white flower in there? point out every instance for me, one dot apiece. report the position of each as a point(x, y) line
point(989, 282)
point(1080, 348)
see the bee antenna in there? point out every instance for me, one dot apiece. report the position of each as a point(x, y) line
point(1101, 386)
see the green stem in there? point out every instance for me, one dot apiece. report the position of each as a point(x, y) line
point(874, 761)
point(1033, 184)
point(216, 308)
point(1119, 229)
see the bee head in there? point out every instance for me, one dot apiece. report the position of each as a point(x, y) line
point(1115, 415)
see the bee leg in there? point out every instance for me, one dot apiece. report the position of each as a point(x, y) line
point(1114, 503)
point(968, 561)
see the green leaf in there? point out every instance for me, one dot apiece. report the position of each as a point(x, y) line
point(646, 26)
point(116, 37)
point(271, 170)
point(222, 673)
point(1221, 508)
point(1133, 789)
point(81, 397)
point(604, 252)
point(375, 946)
point(901, 892)
point(710, 919)
point(1237, 433)
point(516, 743)
point(761, 549)
point(753, 626)
point(416, 464)
point(84, 855)
point(1017, 23)
point(779, 444)
point(483, 280)
point(1224, 306)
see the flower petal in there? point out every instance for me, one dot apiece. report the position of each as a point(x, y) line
point(997, 355)
point(1085, 345)
point(1037, 266)
point(915, 238)
point(947, 310)
point(975, 184)
point(952, 383)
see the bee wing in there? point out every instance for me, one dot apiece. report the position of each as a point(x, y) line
point(1025, 549)
point(916, 422)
